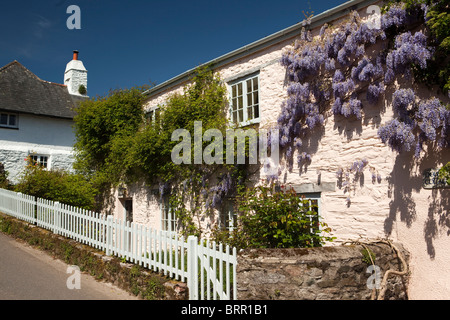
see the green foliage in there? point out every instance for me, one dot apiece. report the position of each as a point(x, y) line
point(82, 89)
point(102, 126)
point(439, 24)
point(368, 256)
point(204, 100)
point(105, 128)
point(117, 144)
point(275, 219)
point(437, 21)
point(57, 185)
point(444, 173)
point(4, 182)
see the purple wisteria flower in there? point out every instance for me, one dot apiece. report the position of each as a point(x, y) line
point(398, 135)
point(395, 16)
point(374, 91)
point(401, 100)
point(409, 49)
point(431, 115)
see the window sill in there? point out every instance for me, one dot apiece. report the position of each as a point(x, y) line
point(249, 123)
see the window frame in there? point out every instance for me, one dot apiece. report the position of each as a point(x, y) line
point(45, 164)
point(8, 120)
point(169, 221)
point(153, 115)
point(227, 214)
point(313, 196)
point(245, 101)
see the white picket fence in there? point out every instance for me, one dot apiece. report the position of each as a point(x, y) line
point(208, 268)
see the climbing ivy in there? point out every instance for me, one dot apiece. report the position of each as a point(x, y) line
point(117, 144)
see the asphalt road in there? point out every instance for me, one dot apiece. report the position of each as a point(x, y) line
point(29, 274)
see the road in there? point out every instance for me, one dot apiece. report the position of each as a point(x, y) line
point(29, 274)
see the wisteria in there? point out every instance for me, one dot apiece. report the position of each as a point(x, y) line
point(395, 16)
point(216, 194)
point(425, 117)
point(374, 91)
point(409, 49)
point(336, 68)
point(347, 178)
point(398, 135)
point(401, 100)
point(432, 115)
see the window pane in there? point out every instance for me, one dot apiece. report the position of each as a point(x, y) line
point(314, 204)
point(239, 89)
point(235, 119)
point(255, 84)
point(240, 103)
point(255, 98)
point(149, 117)
point(256, 109)
point(249, 113)
point(43, 161)
point(233, 91)
point(234, 104)
point(12, 120)
point(249, 85)
point(249, 99)
point(241, 115)
point(4, 119)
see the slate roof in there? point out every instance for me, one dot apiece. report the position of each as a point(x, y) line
point(21, 91)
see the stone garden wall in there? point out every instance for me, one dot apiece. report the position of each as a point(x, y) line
point(331, 273)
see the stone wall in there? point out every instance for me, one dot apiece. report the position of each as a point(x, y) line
point(328, 273)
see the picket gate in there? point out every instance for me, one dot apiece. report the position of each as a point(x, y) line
point(208, 268)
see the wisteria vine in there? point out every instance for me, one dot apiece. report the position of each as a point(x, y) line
point(339, 67)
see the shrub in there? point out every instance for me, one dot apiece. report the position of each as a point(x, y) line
point(4, 182)
point(57, 185)
point(275, 219)
point(82, 89)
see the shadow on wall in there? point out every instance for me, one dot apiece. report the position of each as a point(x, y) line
point(405, 183)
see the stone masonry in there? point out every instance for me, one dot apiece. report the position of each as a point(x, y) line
point(327, 273)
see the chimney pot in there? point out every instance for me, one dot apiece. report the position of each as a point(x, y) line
point(75, 54)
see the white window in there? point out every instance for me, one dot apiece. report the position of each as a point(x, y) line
point(9, 120)
point(244, 99)
point(40, 159)
point(228, 217)
point(313, 202)
point(168, 219)
point(153, 115)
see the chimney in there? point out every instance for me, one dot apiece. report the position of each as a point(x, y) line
point(75, 76)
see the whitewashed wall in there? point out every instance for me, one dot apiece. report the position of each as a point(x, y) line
point(42, 135)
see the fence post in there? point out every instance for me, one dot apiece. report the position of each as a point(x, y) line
point(192, 270)
point(56, 214)
point(108, 235)
point(20, 207)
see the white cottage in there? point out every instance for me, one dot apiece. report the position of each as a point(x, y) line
point(396, 204)
point(36, 117)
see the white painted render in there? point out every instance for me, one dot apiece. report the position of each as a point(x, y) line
point(75, 76)
point(52, 137)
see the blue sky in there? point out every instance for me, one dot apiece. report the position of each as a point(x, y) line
point(127, 43)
